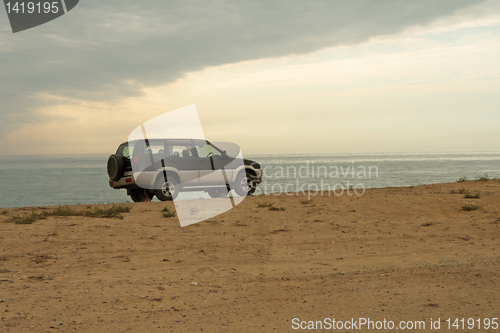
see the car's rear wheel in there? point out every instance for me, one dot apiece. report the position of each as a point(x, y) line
point(217, 193)
point(140, 195)
point(116, 167)
point(244, 184)
point(167, 190)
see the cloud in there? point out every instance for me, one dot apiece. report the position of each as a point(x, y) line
point(110, 50)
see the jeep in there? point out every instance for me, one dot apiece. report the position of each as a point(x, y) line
point(166, 167)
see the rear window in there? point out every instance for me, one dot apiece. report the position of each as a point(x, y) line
point(124, 150)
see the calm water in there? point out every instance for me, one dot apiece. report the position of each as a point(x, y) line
point(72, 179)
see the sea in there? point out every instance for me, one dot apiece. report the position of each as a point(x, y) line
point(51, 180)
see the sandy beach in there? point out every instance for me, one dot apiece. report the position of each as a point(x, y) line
point(396, 254)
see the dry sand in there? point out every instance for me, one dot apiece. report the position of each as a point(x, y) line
point(396, 253)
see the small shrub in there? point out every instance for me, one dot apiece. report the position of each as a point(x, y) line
point(453, 191)
point(5, 212)
point(276, 209)
point(264, 205)
point(429, 223)
point(3, 258)
point(462, 190)
point(462, 179)
point(25, 219)
point(467, 195)
point(169, 214)
point(469, 207)
point(111, 212)
point(484, 178)
point(63, 211)
point(305, 202)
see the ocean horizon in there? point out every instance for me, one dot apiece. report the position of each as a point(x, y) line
point(51, 180)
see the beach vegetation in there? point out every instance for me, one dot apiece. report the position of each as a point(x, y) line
point(484, 178)
point(470, 207)
point(108, 212)
point(28, 219)
point(429, 223)
point(305, 202)
point(63, 211)
point(468, 195)
point(463, 179)
point(167, 214)
point(5, 212)
point(103, 212)
point(265, 205)
point(40, 277)
point(272, 208)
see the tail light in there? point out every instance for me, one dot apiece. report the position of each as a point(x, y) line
point(128, 180)
point(111, 183)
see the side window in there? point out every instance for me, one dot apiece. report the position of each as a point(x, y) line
point(156, 149)
point(186, 151)
point(205, 150)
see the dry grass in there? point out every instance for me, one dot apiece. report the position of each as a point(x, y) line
point(108, 212)
point(484, 178)
point(470, 207)
point(276, 209)
point(167, 214)
point(468, 195)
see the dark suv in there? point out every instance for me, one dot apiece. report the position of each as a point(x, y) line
point(165, 167)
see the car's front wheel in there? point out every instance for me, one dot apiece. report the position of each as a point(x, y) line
point(167, 190)
point(140, 195)
point(244, 184)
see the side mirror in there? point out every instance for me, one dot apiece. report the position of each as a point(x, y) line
point(224, 154)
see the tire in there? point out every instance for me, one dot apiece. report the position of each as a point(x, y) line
point(116, 167)
point(140, 195)
point(244, 184)
point(217, 193)
point(167, 191)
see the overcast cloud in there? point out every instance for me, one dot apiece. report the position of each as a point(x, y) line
point(108, 50)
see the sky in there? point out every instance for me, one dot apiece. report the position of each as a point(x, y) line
point(280, 76)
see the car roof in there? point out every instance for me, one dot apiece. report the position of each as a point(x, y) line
point(163, 139)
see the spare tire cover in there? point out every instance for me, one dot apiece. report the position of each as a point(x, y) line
point(116, 167)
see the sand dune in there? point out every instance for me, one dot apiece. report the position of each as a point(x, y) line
point(396, 253)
